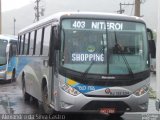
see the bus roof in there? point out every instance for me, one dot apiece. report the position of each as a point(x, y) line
point(8, 37)
point(93, 15)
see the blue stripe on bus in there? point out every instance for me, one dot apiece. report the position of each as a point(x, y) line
point(82, 88)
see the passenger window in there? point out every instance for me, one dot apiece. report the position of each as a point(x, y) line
point(22, 44)
point(34, 45)
point(31, 43)
point(38, 41)
point(19, 44)
point(26, 44)
point(47, 33)
point(24, 40)
point(42, 40)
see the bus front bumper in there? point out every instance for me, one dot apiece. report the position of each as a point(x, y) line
point(69, 103)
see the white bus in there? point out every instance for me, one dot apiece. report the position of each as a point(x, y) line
point(8, 50)
point(80, 61)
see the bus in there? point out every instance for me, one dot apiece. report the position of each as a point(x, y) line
point(86, 61)
point(8, 50)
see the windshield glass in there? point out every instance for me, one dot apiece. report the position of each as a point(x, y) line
point(85, 42)
point(3, 45)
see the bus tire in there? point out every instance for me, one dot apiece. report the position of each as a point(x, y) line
point(45, 104)
point(26, 96)
point(13, 78)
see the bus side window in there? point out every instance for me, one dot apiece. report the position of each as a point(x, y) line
point(47, 33)
point(19, 45)
point(42, 41)
point(31, 43)
point(26, 44)
point(38, 41)
point(24, 40)
point(28, 47)
point(34, 44)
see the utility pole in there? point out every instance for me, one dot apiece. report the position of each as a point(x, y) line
point(14, 26)
point(39, 10)
point(37, 15)
point(0, 18)
point(158, 55)
point(121, 11)
point(137, 8)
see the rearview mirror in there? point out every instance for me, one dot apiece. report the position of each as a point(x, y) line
point(149, 34)
point(151, 42)
point(152, 48)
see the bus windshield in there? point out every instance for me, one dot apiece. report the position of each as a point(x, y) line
point(3, 45)
point(102, 46)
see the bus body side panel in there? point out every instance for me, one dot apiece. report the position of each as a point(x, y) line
point(34, 72)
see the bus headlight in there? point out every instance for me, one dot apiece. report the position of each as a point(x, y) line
point(70, 90)
point(142, 90)
point(3, 71)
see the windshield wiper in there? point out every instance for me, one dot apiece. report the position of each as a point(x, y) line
point(103, 48)
point(91, 64)
point(119, 49)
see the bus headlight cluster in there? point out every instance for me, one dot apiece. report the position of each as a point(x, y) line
point(142, 90)
point(70, 90)
point(3, 71)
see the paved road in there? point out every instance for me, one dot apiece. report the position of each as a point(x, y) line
point(11, 102)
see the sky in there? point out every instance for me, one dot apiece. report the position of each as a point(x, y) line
point(14, 4)
point(148, 9)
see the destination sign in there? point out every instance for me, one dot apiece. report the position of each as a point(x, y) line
point(97, 25)
point(76, 57)
point(111, 25)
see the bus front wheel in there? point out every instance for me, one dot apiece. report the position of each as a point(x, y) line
point(45, 103)
point(13, 76)
point(26, 96)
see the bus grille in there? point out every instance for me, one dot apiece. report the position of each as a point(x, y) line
point(97, 105)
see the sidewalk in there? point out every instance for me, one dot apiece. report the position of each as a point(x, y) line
point(151, 106)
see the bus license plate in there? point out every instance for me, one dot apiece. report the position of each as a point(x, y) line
point(107, 110)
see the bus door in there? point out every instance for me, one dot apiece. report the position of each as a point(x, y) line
point(54, 61)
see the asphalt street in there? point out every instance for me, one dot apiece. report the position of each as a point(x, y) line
point(11, 102)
